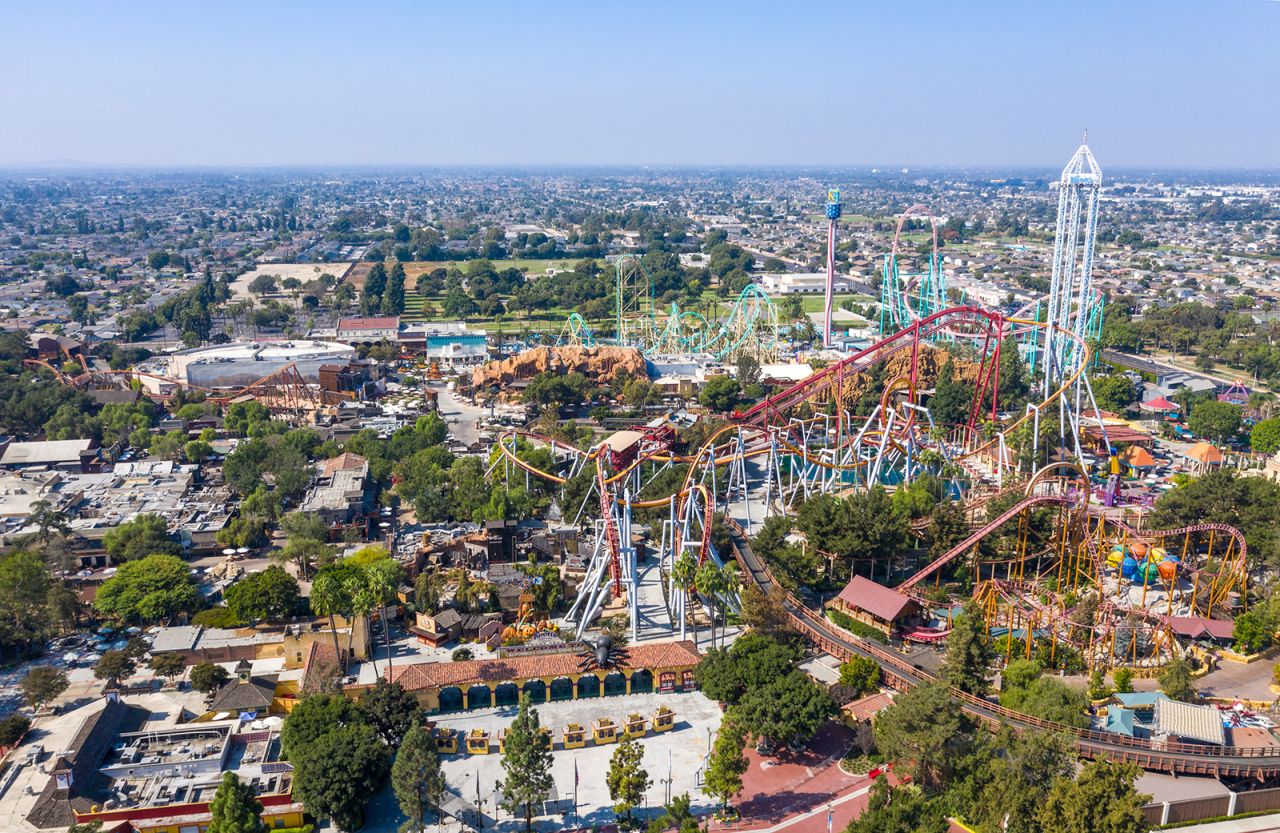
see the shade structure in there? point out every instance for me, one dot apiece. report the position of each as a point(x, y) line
point(1159, 405)
point(1138, 457)
point(1204, 453)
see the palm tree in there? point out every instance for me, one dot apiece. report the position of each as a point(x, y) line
point(730, 583)
point(708, 581)
point(383, 577)
point(683, 572)
point(48, 520)
point(331, 594)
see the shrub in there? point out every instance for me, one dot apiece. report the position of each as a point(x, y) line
point(855, 627)
point(218, 617)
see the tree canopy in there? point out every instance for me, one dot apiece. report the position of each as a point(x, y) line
point(1247, 503)
point(967, 664)
point(269, 594)
point(144, 535)
point(235, 807)
point(150, 589)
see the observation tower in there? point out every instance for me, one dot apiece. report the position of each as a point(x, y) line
point(833, 216)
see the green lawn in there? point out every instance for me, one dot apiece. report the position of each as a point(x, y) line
point(816, 303)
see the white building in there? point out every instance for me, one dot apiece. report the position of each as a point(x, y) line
point(792, 283)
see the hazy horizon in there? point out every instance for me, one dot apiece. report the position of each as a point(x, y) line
point(813, 85)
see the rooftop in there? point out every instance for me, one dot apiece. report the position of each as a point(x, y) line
point(474, 672)
point(382, 323)
point(49, 451)
point(1202, 723)
point(880, 601)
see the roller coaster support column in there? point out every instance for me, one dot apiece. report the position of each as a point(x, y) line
point(833, 216)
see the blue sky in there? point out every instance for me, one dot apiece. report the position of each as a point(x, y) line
point(1160, 83)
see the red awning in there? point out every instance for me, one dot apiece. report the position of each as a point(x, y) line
point(1160, 404)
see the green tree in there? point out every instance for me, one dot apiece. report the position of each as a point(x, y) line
point(1101, 799)
point(720, 394)
point(315, 715)
point(1176, 681)
point(375, 283)
point(1115, 392)
point(144, 535)
point(381, 581)
point(333, 594)
point(710, 583)
point(336, 774)
point(390, 710)
point(1027, 690)
point(951, 398)
point(12, 728)
point(752, 662)
point(967, 665)
point(789, 710)
point(114, 666)
point(860, 674)
point(947, 527)
point(168, 665)
point(150, 589)
point(25, 587)
point(1214, 420)
point(197, 451)
point(393, 297)
point(1264, 437)
point(627, 780)
point(526, 763)
point(1247, 503)
point(42, 684)
point(1015, 771)
point(728, 763)
point(262, 285)
point(269, 594)
point(235, 808)
point(417, 779)
point(677, 816)
point(765, 613)
point(242, 417)
point(1124, 680)
point(208, 677)
point(925, 733)
point(901, 809)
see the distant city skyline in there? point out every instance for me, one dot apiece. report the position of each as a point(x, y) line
point(1177, 84)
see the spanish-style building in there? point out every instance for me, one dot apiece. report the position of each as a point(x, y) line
point(482, 683)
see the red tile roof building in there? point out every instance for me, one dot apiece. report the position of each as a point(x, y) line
point(666, 666)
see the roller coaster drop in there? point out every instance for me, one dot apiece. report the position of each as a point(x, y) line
point(806, 440)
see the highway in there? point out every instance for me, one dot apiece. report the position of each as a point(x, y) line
point(1172, 757)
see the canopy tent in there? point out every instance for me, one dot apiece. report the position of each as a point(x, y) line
point(1138, 457)
point(1205, 454)
point(1159, 405)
